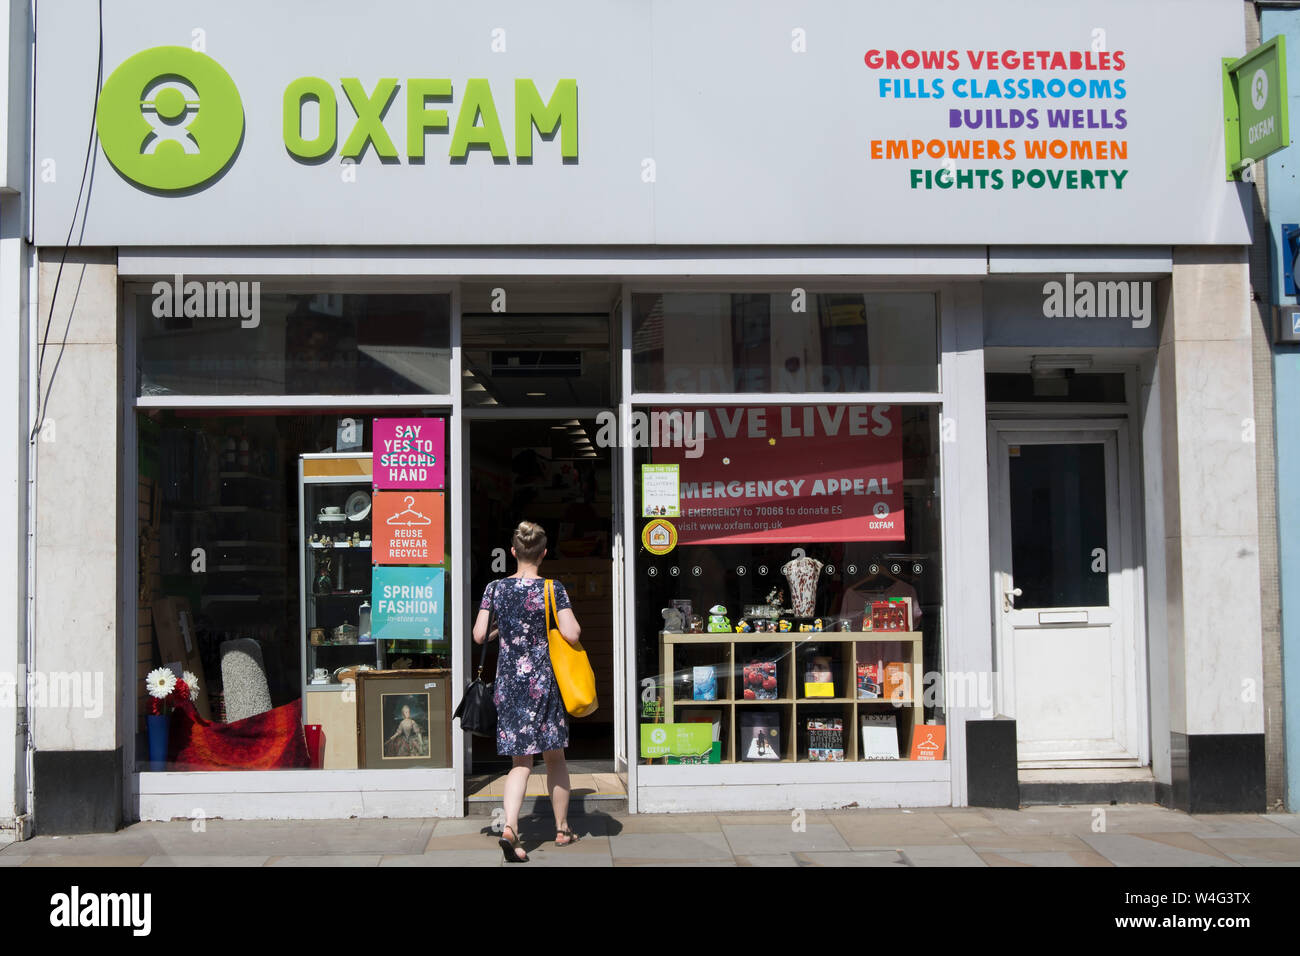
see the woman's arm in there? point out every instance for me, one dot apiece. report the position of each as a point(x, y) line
point(568, 625)
point(481, 626)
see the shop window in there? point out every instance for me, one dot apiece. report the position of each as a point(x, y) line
point(238, 338)
point(789, 585)
point(785, 342)
point(297, 592)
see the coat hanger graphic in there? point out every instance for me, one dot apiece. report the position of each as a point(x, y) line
point(408, 517)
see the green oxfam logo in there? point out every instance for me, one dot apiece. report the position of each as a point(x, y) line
point(169, 118)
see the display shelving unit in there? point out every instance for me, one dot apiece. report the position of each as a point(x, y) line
point(730, 652)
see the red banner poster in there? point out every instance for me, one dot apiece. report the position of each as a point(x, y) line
point(786, 474)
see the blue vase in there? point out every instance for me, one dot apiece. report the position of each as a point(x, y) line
point(158, 725)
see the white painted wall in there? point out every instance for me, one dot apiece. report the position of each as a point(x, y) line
point(14, 261)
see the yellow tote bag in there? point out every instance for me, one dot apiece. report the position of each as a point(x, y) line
point(572, 669)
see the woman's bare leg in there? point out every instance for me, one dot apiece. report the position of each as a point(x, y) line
point(557, 779)
point(516, 786)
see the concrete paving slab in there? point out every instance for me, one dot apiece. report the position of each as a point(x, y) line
point(671, 846)
point(692, 864)
point(1241, 825)
point(352, 859)
point(889, 829)
point(1273, 849)
point(999, 842)
point(1085, 857)
point(931, 855)
point(490, 856)
point(170, 860)
point(850, 858)
point(1289, 820)
point(767, 859)
point(1127, 849)
point(72, 860)
point(758, 839)
point(775, 819)
point(669, 823)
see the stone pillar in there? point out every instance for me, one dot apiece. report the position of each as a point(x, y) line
point(77, 769)
point(1216, 718)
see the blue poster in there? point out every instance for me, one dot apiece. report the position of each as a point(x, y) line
point(407, 604)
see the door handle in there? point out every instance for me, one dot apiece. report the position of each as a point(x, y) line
point(1009, 599)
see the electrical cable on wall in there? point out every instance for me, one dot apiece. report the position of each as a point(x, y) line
point(42, 404)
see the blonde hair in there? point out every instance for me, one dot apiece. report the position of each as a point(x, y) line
point(529, 542)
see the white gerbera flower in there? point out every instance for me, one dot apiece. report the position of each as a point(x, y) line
point(192, 681)
point(161, 683)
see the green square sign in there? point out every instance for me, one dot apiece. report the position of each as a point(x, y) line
point(1255, 105)
point(677, 740)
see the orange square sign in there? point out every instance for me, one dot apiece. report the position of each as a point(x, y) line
point(408, 527)
point(928, 741)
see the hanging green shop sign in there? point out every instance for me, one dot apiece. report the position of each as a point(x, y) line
point(1254, 106)
point(676, 740)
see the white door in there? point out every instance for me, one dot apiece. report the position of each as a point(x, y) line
point(1064, 595)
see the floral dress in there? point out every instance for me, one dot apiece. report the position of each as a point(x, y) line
point(530, 711)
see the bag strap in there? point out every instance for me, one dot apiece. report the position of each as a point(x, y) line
point(550, 605)
point(492, 613)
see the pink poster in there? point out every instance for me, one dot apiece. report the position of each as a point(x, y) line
point(794, 474)
point(409, 453)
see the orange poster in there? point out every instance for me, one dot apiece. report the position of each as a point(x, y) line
point(928, 741)
point(408, 527)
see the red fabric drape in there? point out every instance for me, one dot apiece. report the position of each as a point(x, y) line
point(270, 741)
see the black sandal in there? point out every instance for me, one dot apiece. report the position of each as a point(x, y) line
point(509, 846)
point(567, 832)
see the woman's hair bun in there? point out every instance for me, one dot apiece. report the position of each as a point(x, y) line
point(529, 542)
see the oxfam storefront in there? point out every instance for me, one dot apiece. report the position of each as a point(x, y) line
point(735, 308)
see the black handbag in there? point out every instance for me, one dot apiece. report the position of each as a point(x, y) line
point(476, 711)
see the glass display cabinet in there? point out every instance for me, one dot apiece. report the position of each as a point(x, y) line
point(334, 534)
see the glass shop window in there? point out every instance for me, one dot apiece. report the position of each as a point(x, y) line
point(302, 596)
point(219, 337)
point(709, 342)
point(788, 584)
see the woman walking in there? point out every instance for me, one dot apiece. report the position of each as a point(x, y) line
point(531, 718)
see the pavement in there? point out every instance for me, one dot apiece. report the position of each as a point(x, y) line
point(1127, 835)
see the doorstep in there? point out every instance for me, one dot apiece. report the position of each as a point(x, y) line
point(1092, 785)
point(589, 793)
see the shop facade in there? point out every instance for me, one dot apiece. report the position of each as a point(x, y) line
point(855, 484)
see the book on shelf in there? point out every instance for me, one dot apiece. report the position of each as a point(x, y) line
point(879, 735)
point(898, 680)
point(704, 682)
point(760, 680)
point(928, 741)
point(760, 736)
point(825, 739)
point(871, 681)
point(818, 677)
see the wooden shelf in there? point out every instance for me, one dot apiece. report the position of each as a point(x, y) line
point(792, 707)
